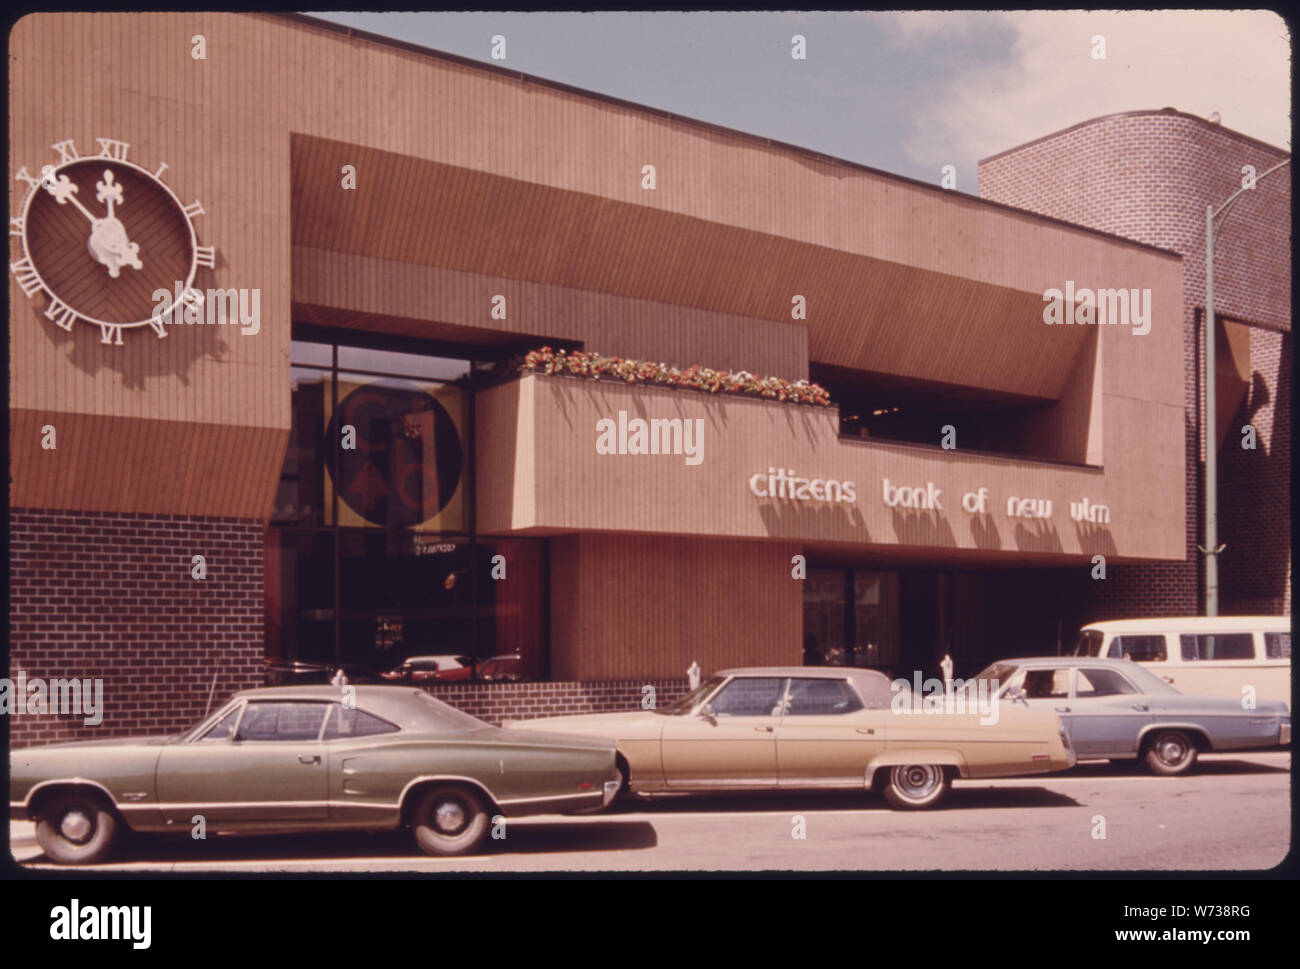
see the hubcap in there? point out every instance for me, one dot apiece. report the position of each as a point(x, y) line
point(449, 816)
point(75, 825)
point(917, 780)
point(1171, 750)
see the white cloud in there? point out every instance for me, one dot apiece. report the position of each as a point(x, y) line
point(1234, 62)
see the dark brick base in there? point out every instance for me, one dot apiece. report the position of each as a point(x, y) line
point(495, 702)
point(95, 594)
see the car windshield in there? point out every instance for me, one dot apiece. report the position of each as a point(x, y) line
point(687, 703)
point(1088, 643)
point(1001, 672)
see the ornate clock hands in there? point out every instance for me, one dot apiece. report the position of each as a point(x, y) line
point(108, 241)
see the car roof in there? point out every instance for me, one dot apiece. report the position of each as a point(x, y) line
point(1190, 624)
point(390, 701)
point(1122, 664)
point(813, 672)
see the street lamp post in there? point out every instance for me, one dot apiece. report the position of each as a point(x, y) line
point(1212, 548)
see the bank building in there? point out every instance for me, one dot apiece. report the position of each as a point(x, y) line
point(330, 350)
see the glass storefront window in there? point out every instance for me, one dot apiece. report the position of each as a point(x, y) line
point(371, 559)
point(850, 618)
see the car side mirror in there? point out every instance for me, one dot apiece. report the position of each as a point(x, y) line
point(1015, 693)
point(709, 714)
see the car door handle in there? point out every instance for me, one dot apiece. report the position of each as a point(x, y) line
point(1140, 706)
point(306, 759)
point(763, 729)
point(1062, 709)
point(865, 730)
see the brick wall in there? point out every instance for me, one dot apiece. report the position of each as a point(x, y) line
point(111, 595)
point(495, 702)
point(1149, 176)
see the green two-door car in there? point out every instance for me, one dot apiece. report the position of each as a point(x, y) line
point(308, 758)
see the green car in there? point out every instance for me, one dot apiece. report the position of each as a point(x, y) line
point(309, 758)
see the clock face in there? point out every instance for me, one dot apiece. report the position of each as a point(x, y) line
point(101, 236)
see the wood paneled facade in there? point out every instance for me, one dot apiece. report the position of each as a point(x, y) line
point(473, 182)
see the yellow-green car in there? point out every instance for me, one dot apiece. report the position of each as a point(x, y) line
point(791, 728)
point(308, 758)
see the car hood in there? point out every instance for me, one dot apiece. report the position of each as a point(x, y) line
point(152, 741)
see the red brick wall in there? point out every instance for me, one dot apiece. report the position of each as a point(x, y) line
point(1148, 176)
point(495, 702)
point(111, 595)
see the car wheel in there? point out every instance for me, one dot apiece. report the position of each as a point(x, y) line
point(1170, 752)
point(915, 786)
point(449, 820)
point(76, 828)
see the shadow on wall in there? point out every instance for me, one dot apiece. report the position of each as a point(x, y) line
point(85, 351)
point(1095, 539)
point(783, 517)
point(1254, 491)
point(1037, 536)
point(915, 526)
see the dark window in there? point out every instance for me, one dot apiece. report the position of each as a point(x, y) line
point(355, 723)
point(1277, 645)
point(750, 696)
point(1224, 646)
point(1094, 683)
point(813, 697)
point(1047, 684)
point(373, 557)
point(1140, 649)
point(282, 720)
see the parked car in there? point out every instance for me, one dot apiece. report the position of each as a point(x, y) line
point(1115, 709)
point(1219, 655)
point(432, 669)
point(507, 668)
point(787, 728)
point(299, 759)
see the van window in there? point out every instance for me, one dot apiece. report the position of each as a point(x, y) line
point(1140, 649)
point(1277, 645)
point(1223, 646)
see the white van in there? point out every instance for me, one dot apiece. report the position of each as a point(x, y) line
point(1218, 655)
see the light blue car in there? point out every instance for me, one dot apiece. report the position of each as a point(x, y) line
point(1115, 710)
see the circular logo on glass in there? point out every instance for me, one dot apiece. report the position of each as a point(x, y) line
point(404, 461)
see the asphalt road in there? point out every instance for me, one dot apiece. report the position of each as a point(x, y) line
point(1233, 813)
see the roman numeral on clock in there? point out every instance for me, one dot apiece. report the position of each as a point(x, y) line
point(61, 313)
point(206, 256)
point(16, 226)
point(67, 151)
point(109, 148)
point(110, 333)
point(29, 280)
point(158, 327)
point(194, 208)
point(192, 297)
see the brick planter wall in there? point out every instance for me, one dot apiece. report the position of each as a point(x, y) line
point(96, 594)
point(495, 702)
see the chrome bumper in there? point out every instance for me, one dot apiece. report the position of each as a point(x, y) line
point(611, 789)
point(1284, 735)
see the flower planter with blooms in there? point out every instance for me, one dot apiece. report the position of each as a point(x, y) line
point(580, 363)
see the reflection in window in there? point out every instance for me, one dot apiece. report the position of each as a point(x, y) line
point(1222, 646)
point(750, 696)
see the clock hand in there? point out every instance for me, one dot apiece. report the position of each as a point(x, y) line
point(64, 191)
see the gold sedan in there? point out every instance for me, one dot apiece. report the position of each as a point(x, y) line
point(790, 728)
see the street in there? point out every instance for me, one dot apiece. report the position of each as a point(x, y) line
point(1232, 812)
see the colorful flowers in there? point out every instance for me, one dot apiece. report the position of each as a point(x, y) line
point(580, 363)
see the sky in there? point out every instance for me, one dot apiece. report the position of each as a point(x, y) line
point(908, 92)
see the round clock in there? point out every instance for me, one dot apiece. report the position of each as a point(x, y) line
point(101, 237)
